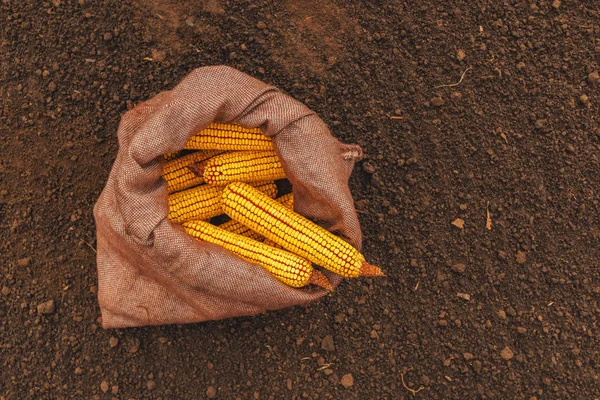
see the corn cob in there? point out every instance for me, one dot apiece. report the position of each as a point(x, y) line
point(293, 232)
point(204, 202)
point(229, 137)
point(179, 172)
point(241, 229)
point(241, 166)
point(171, 156)
point(289, 268)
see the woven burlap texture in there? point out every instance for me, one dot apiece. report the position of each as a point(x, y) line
point(150, 272)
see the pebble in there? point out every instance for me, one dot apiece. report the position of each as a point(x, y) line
point(46, 307)
point(327, 343)
point(584, 99)
point(23, 262)
point(459, 223)
point(5, 290)
point(460, 55)
point(52, 86)
point(437, 101)
point(593, 77)
point(135, 346)
point(521, 330)
point(104, 386)
point(502, 314)
point(521, 257)
point(151, 385)
point(261, 25)
point(113, 341)
point(211, 392)
point(556, 4)
point(507, 353)
point(347, 381)
point(459, 268)
point(570, 148)
point(369, 168)
point(425, 380)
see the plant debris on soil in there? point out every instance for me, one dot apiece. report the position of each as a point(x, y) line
point(469, 112)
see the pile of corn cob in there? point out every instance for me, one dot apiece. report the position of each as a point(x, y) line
point(231, 170)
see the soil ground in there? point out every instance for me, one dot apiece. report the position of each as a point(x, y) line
point(472, 111)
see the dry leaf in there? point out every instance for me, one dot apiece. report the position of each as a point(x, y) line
point(459, 223)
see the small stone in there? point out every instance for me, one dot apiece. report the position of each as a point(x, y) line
point(502, 314)
point(107, 37)
point(113, 341)
point(425, 380)
point(135, 346)
point(437, 101)
point(23, 262)
point(521, 330)
point(369, 168)
point(464, 296)
point(5, 290)
point(261, 25)
point(151, 385)
point(511, 311)
point(211, 392)
point(459, 268)
point(476, 366)
point(507, 353)
point(593, 77)
point(347, 381)
point(459, 223)
point(521, 257)
point(327, 343)
point(46, 308)
point(556, 4)
point(78, 371)
point(52, 86)
point(463, 207)
point(468, 356)
point(374, 334)
point(570, 148)
point(584, 99)
point(460, 55)
point(104, 386)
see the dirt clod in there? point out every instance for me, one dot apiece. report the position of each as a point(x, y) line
point(521, 257)
point(327, 343)
point(437, 101)
point(459, 268)
point(347, 381)
point(46, 307)
point(507, 353)
point(104, 386)
point(211, 392)
point(593, 77)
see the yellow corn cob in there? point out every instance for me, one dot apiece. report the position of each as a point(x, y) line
point(170, 156)
point(241, 229)
point(229, 137)
point(204, 202)
point(293, 232)
point(179, 172)
point(289, 268)
point(241, 166)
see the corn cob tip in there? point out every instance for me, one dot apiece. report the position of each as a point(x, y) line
point(197, 169)
point(370, 270)
point(319, 279)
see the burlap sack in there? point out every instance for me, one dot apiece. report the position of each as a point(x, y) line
point(149, 271)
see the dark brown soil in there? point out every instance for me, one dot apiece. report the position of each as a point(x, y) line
point(501, 313)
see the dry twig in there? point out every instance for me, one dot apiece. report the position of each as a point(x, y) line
point(413, 391)
point(457, 83)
